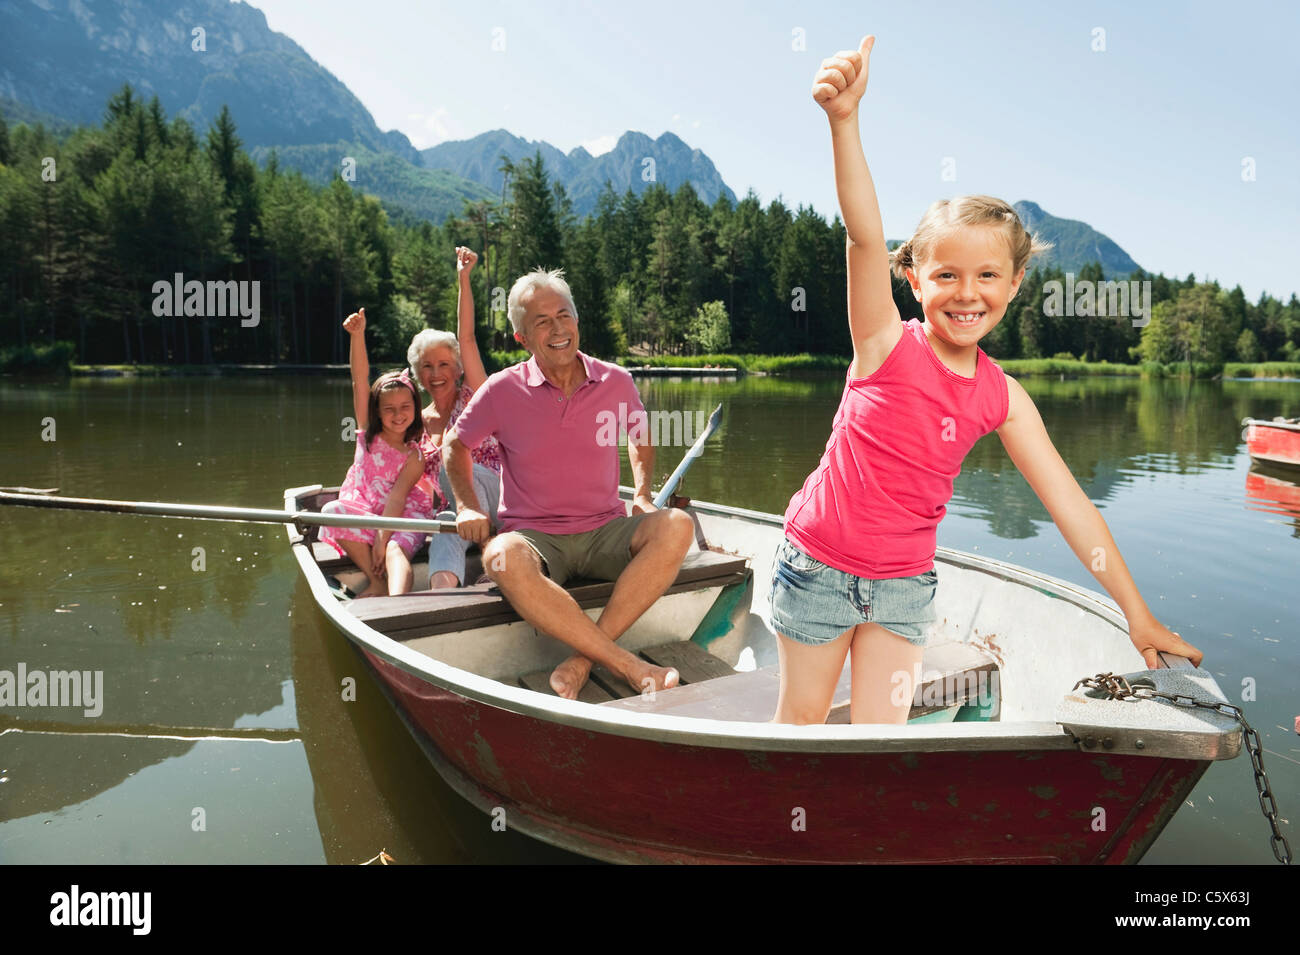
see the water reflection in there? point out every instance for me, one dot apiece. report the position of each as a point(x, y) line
point(1275, 489)
point(373, 786)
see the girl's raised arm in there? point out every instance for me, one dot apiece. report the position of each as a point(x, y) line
point(359, 362)
point(470, 360)
point(838, 89)
point(1082, 526)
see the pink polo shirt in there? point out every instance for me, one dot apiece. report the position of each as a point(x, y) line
point(560, 467)
point(898, 440)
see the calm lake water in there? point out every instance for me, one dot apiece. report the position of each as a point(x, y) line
point(286, 771)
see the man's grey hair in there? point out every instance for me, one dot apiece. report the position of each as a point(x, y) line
point(527, 284)
point(431, 338)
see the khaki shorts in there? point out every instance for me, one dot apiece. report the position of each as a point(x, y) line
point(601, 554)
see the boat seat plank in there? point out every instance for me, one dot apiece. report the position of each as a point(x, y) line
point(539, 681)
point(692, 662)
point(751, 696)
point(427, 612)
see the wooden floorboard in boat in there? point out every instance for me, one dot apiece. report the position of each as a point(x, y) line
point(613, 684)
point(692, 662)
point(540, 682)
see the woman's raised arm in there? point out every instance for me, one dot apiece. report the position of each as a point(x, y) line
point(470, 359)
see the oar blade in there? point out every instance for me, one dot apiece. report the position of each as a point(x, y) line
point(675, 479)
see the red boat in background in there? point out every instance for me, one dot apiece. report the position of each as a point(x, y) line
point(1276, 441)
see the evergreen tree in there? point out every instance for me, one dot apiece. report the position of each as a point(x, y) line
point(534, 219)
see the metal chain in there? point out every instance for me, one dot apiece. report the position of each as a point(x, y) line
point(1119, 688)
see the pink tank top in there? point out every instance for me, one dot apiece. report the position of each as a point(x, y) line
point(896, 445)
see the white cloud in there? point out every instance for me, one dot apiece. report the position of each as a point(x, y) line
point(600, 145)
point(430, 129)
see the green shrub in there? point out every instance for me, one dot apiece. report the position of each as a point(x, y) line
point(494, 361)
point(784, 364)
point(57, 357)
point(682, 361)
point(1262, 369)
point(1060, 366)
point(750, 364)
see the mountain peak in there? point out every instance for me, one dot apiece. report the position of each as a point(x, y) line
point(68, 59)
point(1028, 210)
point(584, 175)
point(1074, 243)
point(669, 138)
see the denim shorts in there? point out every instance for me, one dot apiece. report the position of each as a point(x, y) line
point(812, 603)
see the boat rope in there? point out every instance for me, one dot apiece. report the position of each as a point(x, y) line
point(1119, 688)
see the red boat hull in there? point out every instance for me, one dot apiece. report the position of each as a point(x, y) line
point(1275, 445)
point(633, 800)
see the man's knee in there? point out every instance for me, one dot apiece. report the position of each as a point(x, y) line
point(670, 528)
point(681, 529)
point(509, 555)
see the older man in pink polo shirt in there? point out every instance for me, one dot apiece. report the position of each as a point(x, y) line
point(560, 513)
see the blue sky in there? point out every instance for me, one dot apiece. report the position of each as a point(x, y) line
point(1144, 140)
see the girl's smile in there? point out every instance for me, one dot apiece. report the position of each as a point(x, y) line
point(396, 411)
point(965, 284)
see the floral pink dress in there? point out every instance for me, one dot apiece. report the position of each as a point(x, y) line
point(487, 454)
point(365, 490)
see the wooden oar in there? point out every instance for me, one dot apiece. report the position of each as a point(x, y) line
point(211, 512)
point(696, 450)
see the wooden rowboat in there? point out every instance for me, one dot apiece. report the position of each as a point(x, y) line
point(1273, 442)
point(1003, 761)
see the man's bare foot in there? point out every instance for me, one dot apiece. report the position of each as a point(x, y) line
point(646, 679)
point(569, 677)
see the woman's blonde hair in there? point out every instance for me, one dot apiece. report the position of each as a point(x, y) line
point(947, 215)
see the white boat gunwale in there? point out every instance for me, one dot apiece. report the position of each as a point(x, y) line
point(694, 731)
point(1285, 425)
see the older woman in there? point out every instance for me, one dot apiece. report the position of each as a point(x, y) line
point(450, 369)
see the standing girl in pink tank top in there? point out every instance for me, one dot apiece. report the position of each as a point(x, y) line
point(855, 573)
